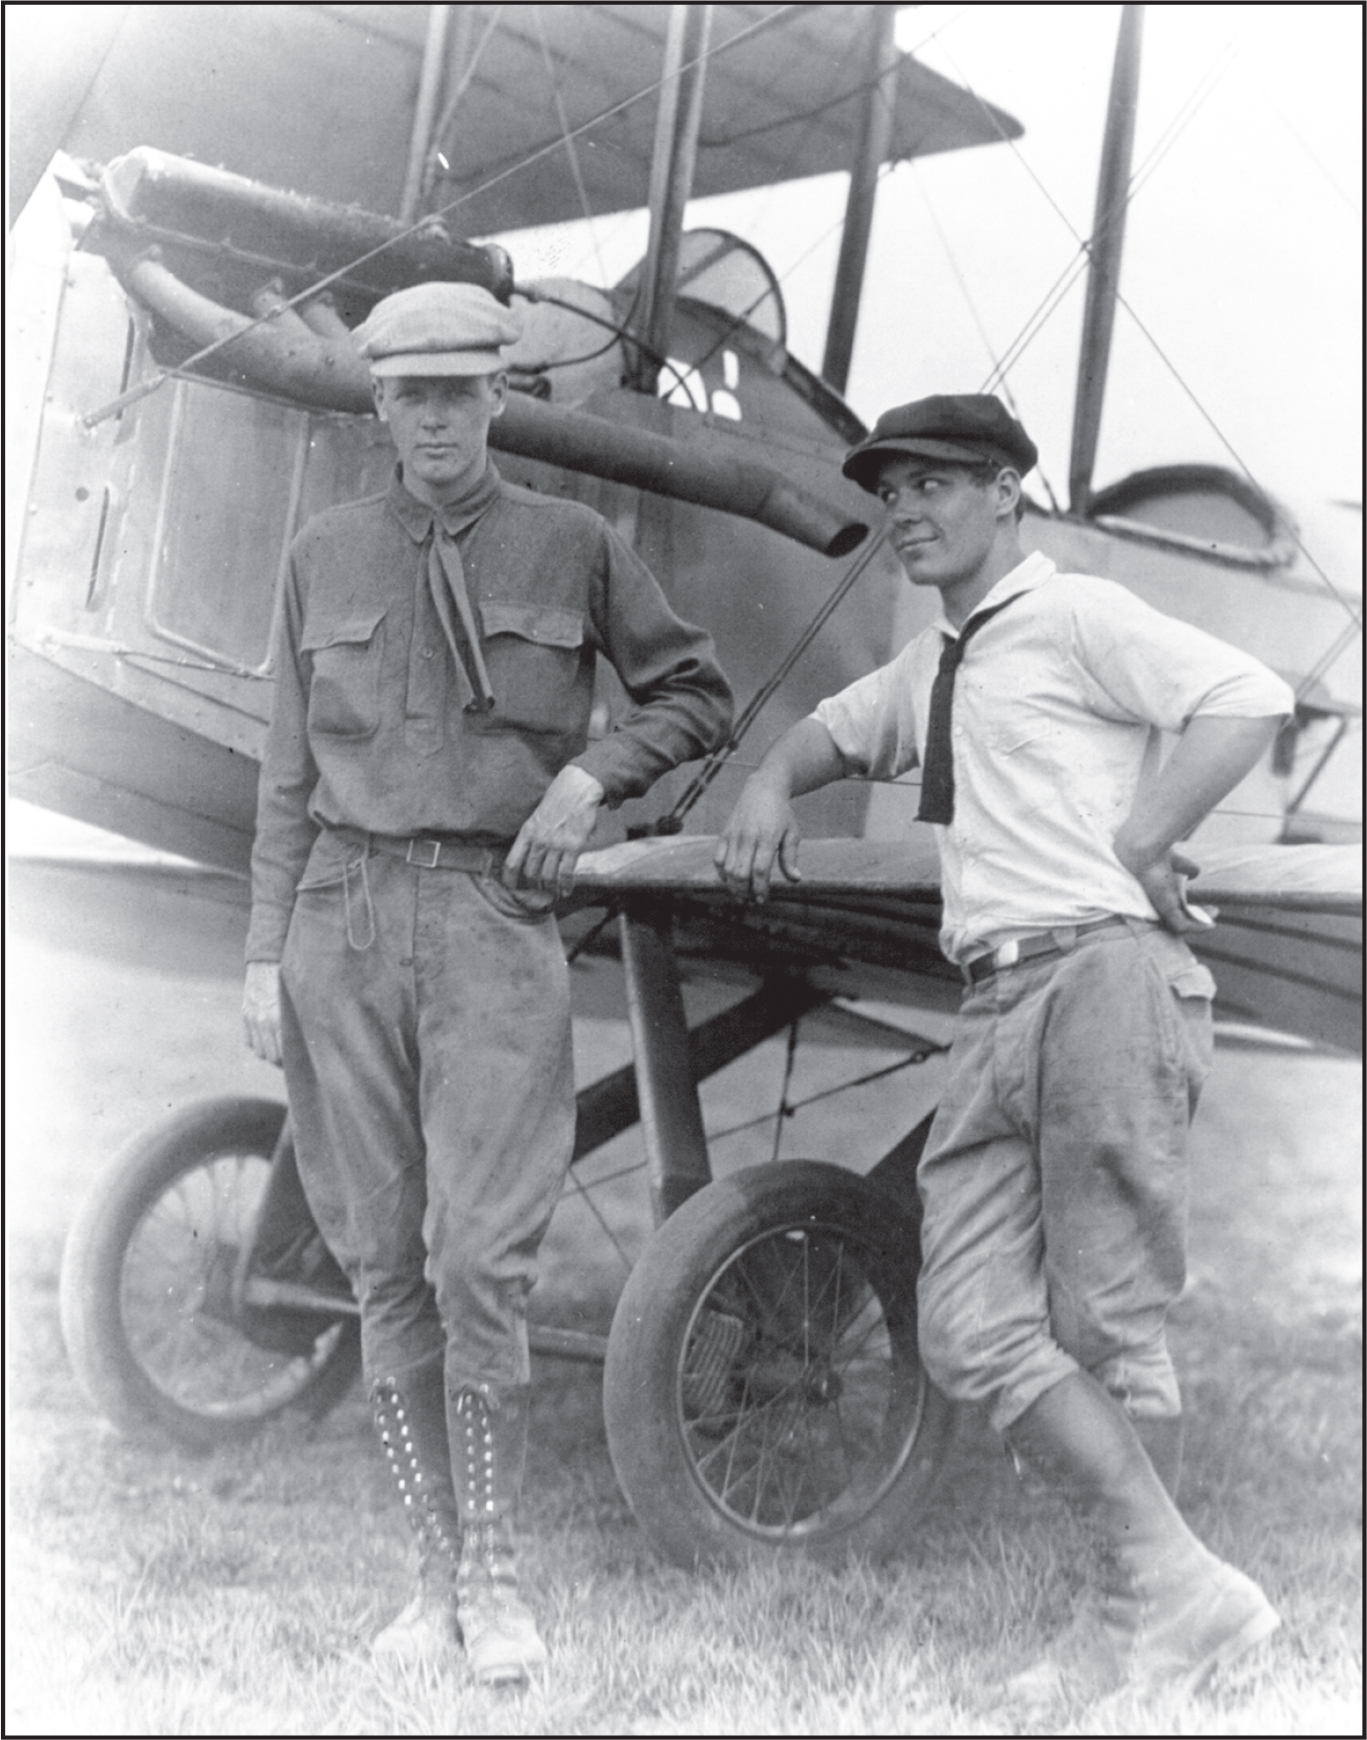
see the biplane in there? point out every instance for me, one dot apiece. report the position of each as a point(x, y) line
point(232, 189)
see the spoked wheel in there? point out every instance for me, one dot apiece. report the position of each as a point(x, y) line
point(763, 1391)
point(148, 1305)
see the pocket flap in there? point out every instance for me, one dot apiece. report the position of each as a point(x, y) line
point(1193, 981)
point(345, 631)
point(541, 623)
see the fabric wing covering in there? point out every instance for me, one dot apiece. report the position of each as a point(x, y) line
point(320, 99)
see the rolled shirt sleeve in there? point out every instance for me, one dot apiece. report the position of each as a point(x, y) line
point(1059, 707)
point(1142, 666)
point(872, 722)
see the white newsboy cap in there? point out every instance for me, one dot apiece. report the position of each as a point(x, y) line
point(437, 329)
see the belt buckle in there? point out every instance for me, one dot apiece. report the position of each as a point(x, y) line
point(1006, 954)
point(434, 846)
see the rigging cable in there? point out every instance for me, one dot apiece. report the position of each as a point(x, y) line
point(447, 119)
point(672, 823)
point(810, 116)
point(822, 108)
point(1292, 531)
point(92, 418)
point(570, 151)
point(1309, 151)
point(1073, 270)
point(978, 322)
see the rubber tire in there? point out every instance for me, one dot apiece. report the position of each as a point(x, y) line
point(643, 1394)
point(108, 1365)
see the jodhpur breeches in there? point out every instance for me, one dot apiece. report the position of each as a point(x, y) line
point(430, 1073)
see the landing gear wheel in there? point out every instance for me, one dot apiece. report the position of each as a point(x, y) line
point(763, 1391)
point(146, 1289)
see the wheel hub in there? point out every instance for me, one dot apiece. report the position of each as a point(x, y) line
point(823, 1387)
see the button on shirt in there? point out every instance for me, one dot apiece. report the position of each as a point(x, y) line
point(1058, 709)
point(369, 729)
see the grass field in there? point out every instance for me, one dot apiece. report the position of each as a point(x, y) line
point(149, 1591)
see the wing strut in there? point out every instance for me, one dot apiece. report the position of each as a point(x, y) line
point(425, 110)
point(1103, 274)
point(875, 143)
point(671, 177)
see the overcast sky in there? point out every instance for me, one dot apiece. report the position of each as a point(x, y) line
point(1243, 253)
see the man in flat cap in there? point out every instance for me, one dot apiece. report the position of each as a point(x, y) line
point(1053, 1181)
point(427, 787)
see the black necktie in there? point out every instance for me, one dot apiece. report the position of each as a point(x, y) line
point(937, 764)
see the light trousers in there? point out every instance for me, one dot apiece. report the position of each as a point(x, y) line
point(1054, 1179)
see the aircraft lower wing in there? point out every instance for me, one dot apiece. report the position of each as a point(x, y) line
point(864, 920)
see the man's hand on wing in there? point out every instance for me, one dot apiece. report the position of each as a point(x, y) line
point(761, 832)
point(1164, 877)
point(261, 1010)
point(547, 849)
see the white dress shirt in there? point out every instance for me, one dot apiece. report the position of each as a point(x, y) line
point(1058, 708)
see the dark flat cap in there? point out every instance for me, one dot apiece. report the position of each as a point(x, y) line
point(966, 428)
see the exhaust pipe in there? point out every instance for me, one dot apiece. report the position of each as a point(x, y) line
point(289, 357)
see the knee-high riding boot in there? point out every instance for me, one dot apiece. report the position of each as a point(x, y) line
point(410, 1418)
point(489, 1443)
point(1170, 1611)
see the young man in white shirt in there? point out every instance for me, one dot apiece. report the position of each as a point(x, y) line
point(1054, 1179)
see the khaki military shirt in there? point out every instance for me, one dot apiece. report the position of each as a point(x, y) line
point(369, 729)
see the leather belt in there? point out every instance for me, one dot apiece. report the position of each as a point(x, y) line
point(1062, 940)
point(429, 852)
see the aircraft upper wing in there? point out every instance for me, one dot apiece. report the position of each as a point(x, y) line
point(320, 99)
point(778, 105)
point(1286, 952)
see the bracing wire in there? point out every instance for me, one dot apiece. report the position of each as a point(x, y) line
point(1070, 273)
point(1077, 264)
point(596, 1212)
point(742, 319)
point(570, 151)
point(789, 1109)
point(784, 1109)
point(1353, 206)
point(673, 822)
point(810, 116)
point(978, 321)
point(542, 151)
point(447, 120)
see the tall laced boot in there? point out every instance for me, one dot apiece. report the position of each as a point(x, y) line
point(1170, 1611)
point(489, 1440)
point(410, 1418)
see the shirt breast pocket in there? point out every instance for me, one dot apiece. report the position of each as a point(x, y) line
point(535, 654)
point(344, 688)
